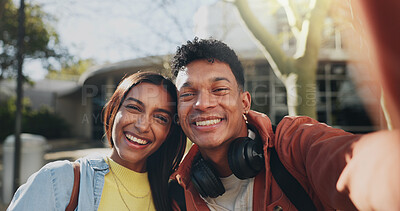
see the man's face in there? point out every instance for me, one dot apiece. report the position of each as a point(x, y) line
point(210, 104)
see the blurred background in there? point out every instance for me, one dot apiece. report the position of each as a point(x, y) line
point(294, 53)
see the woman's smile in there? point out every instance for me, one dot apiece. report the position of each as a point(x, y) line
point(131, 138)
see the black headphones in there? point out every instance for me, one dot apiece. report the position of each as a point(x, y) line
point(245, 158)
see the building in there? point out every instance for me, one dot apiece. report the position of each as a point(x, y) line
point(338, 103)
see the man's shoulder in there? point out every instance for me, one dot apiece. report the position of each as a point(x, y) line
point(298, 119)
point(293, 123)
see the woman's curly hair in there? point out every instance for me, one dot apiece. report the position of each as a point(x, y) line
point(209, 49)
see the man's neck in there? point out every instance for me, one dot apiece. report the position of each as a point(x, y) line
point(218, 158)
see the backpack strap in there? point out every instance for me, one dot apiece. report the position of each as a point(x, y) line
point(73, 202)
point(177, 193)
point(289, 185)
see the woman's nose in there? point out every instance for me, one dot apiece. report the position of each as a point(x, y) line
point(142, 123)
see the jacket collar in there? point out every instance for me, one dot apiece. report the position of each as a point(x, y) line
point(263, 125)
point(183, 173)
point(98, 162)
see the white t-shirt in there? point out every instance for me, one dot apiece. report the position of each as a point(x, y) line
point(238, 194)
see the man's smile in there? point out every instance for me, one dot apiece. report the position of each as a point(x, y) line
point(208, 122)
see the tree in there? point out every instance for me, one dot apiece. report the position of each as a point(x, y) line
point(297, 72)
point(71, 69)
point(41, 40)
point(43, 121)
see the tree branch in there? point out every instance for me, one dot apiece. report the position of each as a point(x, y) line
point(269, 46)
point(310, 39)
point(293, 17)
point(175, 20)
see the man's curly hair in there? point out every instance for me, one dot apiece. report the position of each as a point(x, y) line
point(209, 49)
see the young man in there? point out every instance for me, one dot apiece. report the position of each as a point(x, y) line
point(214, 111)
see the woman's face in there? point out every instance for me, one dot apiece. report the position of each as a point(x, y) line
point(141, 125)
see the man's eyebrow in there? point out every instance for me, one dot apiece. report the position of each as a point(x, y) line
point(220, 79)
point(186, 84)
point(189, 84)
point(136, 100)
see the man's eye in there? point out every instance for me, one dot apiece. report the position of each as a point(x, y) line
point(187, 94)
point(221, 90)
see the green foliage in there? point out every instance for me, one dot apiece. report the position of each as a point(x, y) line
point(42, 122)
point(71, 70)
point(41, 40)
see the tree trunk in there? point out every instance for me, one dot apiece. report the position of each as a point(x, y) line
point(298, 73)
point(2, 7)
point(301, 90)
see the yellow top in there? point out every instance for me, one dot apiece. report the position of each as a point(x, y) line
point(125, 189)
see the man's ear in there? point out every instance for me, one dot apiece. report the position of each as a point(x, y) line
point(246, 101)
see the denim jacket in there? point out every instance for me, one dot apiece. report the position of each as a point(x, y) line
point(50, 188)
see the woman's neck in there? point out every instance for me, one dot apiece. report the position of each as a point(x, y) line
point(137, 167)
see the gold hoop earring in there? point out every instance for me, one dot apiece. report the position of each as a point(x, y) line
point(245, 117)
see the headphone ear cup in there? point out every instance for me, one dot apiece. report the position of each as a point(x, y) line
point(205, 179)
point(245, 157)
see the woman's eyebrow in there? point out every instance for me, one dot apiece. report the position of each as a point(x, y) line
point(164, 111)
point(136, 100)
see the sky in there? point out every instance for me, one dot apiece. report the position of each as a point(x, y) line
point(117, 30)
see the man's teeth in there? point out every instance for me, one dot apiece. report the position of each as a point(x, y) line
point(136, 140)
point(208, 122)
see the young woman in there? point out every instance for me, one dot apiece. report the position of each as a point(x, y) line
point(147, 146)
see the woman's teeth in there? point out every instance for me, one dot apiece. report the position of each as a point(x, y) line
point(136, 140)
point(208, 122)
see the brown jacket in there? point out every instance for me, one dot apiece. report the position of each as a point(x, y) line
point(314, 153)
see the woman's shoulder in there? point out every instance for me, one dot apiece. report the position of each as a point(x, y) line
point(95, 161)
point(61, 167)
point(52, 182)
point(58, 172)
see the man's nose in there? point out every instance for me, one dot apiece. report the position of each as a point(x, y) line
point(143, 123)
point(205, 101)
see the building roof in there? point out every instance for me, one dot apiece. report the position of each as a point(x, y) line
point(97, 75)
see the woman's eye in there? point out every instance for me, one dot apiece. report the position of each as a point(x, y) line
point(161, 119)
point(133, 107)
